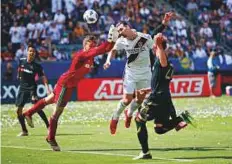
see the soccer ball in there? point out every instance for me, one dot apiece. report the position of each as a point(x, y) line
point(90, 16)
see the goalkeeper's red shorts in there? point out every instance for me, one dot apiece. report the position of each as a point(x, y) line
point(62, 95)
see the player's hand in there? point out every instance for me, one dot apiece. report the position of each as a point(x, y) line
point(113, 34)
point(167, 17)
point(158, 39)
point(106, 65)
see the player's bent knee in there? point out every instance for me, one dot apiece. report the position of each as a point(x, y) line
point(160, 130)
point(19, 111)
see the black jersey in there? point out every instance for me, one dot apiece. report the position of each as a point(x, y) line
point(161, 77)
point(26, 74)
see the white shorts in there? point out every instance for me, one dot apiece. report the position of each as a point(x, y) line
point(129, 86)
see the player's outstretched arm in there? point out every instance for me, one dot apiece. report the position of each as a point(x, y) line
point(167, 17)
point(159, 49)
point(106, 46)
point(111, 54)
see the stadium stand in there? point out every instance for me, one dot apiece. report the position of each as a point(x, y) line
point(57, 28)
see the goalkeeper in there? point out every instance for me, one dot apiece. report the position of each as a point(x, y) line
point(80, 66)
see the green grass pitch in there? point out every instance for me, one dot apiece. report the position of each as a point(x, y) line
point(84, 137)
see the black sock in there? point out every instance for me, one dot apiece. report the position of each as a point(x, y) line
point(22, 123)
point(44, 117)
point(142, 135)
point(172, 123)
point(173, 112)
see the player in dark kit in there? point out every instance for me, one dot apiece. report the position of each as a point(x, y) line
point(159, 106)
point(27, 71)
point(81, 64)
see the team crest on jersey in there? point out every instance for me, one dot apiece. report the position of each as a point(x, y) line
point(136, 50)
point(140, 44)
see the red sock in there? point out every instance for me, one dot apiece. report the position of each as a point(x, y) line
point(52, 128)
point(35, 108)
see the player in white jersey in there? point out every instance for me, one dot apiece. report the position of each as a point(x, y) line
point(137, 70)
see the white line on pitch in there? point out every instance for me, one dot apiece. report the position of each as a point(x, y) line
point(96, 153)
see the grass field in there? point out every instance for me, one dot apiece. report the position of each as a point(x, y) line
point(84, 136)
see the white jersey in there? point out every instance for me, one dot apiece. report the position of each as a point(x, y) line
point(138, 64)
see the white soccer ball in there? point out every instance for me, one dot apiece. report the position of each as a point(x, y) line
point(90, 16)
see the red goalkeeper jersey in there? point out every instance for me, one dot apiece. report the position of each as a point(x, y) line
point(82, 64)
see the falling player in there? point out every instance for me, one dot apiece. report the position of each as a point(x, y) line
point(80, 66)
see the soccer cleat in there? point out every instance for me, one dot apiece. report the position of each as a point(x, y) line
point(22, 134)
point(127, 119)
point(113, 126)
point(143, 156)
point(29, 121)
point(188, 118)
point(181, 125)
point(53, 144)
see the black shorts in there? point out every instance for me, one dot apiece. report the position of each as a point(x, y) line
point(160, 107)
point(25, 97)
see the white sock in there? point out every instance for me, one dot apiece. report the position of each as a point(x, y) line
point(121, 106)
point(133, 107)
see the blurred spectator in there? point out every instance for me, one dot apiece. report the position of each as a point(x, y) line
point(212, 71)
point(199, 52)
point(105, 8)
point(43, 14)
point(106, 21)
point(229, 36)
point(64, 39)
point(192, 8)
point(210, 44)
point(144, 11)
point(54, 33)
point(78, 31)
point(6, 23)
point(7, 55)
point(15, 37)
point(22, 52)
point(43, 51)
point(96, 7)
point(206, 31)
point(59, 19)
point(70, 6)
point(179, 51)
point(38, 6)
point(215, 25)
point(204, 16)
point(81, 8)
point(41, 30)
point(23, 33)
point(29, 10)
point(56, 5)
point(8, 75)
point(189, 53)
point(229, 4)
point(32, 31)
point(17, 17)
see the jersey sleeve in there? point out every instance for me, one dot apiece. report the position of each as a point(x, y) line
point(119, 44)
point(158, 29)
point(150, 42)
point(103, 48)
